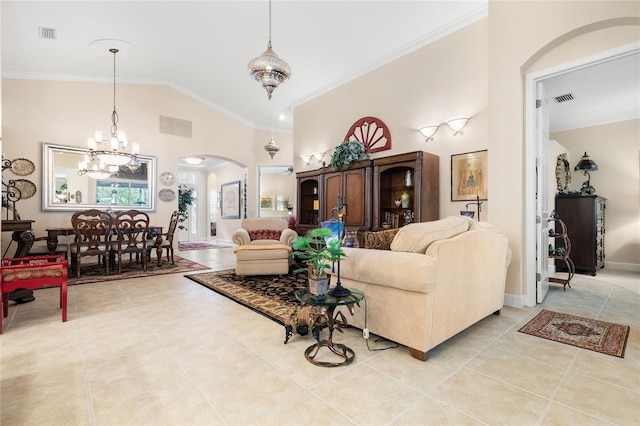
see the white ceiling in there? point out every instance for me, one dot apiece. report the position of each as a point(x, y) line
point(202, 48)
point(604, 93)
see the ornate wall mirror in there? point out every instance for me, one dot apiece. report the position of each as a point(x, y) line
point(563, 173)
point(64, 190)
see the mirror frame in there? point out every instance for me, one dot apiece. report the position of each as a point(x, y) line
point(563, 173)
point(48, 179)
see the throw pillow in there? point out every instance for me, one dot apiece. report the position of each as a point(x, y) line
point(264, 234)
point(379, 240)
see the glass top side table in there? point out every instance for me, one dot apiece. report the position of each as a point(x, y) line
point(334, 321)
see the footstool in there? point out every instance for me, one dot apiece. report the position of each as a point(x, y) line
point(262, 259)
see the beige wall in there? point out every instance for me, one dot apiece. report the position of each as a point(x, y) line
point(477, 71)
point(443, 80)
point(521, 33)
point(615, 148)
point(67, 113)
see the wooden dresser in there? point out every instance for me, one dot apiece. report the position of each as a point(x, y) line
point(584, 216)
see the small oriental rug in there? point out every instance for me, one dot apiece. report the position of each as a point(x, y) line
point(270, 295)
point(599, 336)
point(199, 246)
point(95, 273)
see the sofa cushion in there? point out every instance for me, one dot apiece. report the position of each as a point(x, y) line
point(486, 226)
point(416, 237)
point(264, 234)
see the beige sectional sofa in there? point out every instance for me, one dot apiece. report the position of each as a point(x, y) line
point(437, 279)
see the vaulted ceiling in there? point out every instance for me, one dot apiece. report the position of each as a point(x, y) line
point(202, 48)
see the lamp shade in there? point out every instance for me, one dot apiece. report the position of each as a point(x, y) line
point(586, 163)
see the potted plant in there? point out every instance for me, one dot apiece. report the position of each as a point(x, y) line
point(346, 153)
point(186, 198)
point(318, 250)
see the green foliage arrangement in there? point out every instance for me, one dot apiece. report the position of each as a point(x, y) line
point(186, 198)
point(346, 153)
point(318, 250)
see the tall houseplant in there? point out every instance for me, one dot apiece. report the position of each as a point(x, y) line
point(186, 198)
point(318, 249)
point(346, 153)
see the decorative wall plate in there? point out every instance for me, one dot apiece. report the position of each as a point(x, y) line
point(167, 195)
point(167, 178)
point(27, 188)
point(22, 167)
point(372, 132)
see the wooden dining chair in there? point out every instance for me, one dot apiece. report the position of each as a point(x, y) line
point(163, 241)
point(93, 233)
point(131, 228)
point(32, 273)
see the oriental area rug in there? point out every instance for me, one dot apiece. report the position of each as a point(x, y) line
point(93, 273)
point(270, 295)
point(599, 336)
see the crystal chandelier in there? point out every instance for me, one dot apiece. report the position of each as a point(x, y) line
point(268, 69)
point(107, 155)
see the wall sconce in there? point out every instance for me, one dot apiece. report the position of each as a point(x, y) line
point(429, 131)
point(456, 124)
point(318, 156)
point(307, 159)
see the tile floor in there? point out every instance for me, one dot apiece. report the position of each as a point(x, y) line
point(167, 351)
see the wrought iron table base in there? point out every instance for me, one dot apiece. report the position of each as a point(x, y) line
point(338, 349)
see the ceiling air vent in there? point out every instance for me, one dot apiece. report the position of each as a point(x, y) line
point(175, 126)
point(48, 33)
point(564, 98)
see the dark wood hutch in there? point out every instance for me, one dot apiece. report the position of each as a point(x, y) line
point(369, 190)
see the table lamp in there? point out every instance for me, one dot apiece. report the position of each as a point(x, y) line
point(586, 164)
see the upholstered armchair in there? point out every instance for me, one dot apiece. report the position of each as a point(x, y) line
point(264, 230)
point(264, 246)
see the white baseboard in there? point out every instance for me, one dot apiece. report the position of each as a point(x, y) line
point(514, 300)
point(622, 266)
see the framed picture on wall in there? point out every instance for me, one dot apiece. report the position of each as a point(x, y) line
point(469, 176)
point(282, 201)
point(230, 200)
point(266, 202)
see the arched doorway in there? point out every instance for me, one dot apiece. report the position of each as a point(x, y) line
point(534, 155)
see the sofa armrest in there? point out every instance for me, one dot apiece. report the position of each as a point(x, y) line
point(287, 236)
point(241, 237)
point(402, 270)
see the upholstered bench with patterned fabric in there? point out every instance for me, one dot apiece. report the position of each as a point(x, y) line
point(33, 273)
